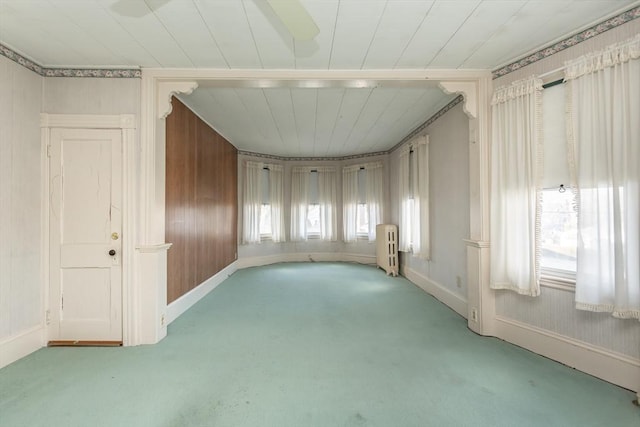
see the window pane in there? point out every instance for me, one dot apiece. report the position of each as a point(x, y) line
point(556, 167)
point(362, 219)
point(266, 199)
point(362, 186)
point(409, 225)
point(313, 219)
point(265, 220)
point(313, 187)
point(558, 231)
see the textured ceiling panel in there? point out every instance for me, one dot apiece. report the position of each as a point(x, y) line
point(247, 34)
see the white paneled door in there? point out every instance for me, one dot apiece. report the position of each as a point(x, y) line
point(85, 197)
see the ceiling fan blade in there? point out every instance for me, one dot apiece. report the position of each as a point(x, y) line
point(296, 18)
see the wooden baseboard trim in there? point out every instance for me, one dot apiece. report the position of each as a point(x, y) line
point(81, 343)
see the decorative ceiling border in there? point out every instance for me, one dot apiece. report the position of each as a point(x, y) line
point(545, 52)
point(457, 100)
point(117, 73)
point(311, 159)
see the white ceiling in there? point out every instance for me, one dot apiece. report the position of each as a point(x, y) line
point(354, 34)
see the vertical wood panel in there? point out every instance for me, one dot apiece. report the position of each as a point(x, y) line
point(201, 201)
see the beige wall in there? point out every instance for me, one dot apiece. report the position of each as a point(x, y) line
point(76, 95)
point(20, 200)
point(449, 202)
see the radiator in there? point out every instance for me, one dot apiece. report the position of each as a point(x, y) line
point(387, 248)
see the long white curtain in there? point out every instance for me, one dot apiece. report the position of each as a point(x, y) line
point(516, 168)
point(299, 202)
point(375, 196)
point(276, 183)
point(328, 200)
point(603, 96)
point(414, 198)
point(420, 171)
point(252, 202)
point(405, 197)
point(350, 202)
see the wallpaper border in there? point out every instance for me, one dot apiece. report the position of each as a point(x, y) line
point(571, 41)
point(119, 73)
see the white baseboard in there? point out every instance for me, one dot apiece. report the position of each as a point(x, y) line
point(456, 302)
point(18, 346)
point(186, 301)
point(306, 257)
point(601, 363)
point(359, 258)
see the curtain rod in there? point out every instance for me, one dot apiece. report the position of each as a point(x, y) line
point(552, 84)
point(549, 73)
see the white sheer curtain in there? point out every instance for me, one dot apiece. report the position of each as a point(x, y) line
point(516, 166)
point(375, 196)
point(276, 199)
point(420, 171)
point(328, 200)
point(405, 196)
point(299, 202)
point(350, 202)
point(603, 96)
point(252, 202)
point(414, 198)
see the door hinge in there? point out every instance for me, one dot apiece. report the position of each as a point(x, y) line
point(47, 317)
point(62, 302)
point(49, 150)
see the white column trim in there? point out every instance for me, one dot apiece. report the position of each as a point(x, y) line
point(469, 91)
point(158, 85)
point(167, 89)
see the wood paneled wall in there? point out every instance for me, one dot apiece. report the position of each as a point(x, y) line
point(201, 201)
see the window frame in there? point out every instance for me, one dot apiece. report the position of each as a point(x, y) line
point(265, 236)
point(362, 235)
point(312, 235)
point(549, 276)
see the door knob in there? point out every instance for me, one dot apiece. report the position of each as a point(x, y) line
point(112, 252)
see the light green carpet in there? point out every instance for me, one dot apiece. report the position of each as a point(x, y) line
point(322, 344)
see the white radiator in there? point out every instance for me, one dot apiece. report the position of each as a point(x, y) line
point(387, 248)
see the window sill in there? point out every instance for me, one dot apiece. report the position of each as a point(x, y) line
point(555, 282)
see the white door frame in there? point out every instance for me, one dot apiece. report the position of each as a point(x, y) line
point(126, 124)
